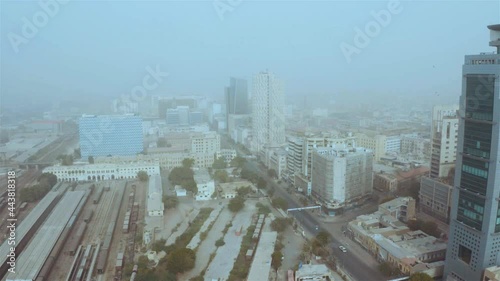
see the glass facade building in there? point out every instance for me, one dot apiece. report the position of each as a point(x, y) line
point(474, 242)
point(115, 135)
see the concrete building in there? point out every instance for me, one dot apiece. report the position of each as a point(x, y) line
point(492, 273)
point(268, 120)
point(277, 161)
point(385, 182)
point(475, 215)
point(435, 198)
point(444, 134)
point(166, 160)
point(379, 144)
point(227, 154)
point(180, 192)
point(341, 177)
point(294, 157)
point(155, 206)
point(313, 272)
point(178, 116)
point(237, 102)
point(205, 185)
point(115, 135)
point(415, 147)
point(97, 172)
point(385, 236)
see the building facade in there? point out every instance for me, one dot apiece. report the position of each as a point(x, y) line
point(340, 177)
point(435, 198)
point(444, 136)
point(115, 135)
point(475, 215)
point(268, 102)
point(97, 172)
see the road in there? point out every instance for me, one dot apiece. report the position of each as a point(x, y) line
point(353, 264)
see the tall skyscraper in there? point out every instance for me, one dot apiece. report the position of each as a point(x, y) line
point(268, 122)
point(115, 135)
point(474, 242)
point(237, 96)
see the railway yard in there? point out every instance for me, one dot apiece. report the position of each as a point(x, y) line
point(82, 231)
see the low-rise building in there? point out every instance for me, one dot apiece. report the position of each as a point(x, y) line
point(261, 265)
point(492, 273)
point(277, 162)
point(385, 182)
point(97, 172)
point(435, 198)
point(385, 236)
point(313, 272)
point(155, 206)
point(226, 154)
point(205, 185)
point(180, 192)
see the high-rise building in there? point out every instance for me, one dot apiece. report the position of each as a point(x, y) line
point(340, 177)
point(474, 242)
point(237, 96)
point(444, 135)
point(115, 135)
point(268, 121)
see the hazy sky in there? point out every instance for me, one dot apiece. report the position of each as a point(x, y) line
point(102, 48)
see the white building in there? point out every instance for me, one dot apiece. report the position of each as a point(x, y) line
point(226, 154)
point(341, 176)
point(268, 120)
point(205, 185)
point(155, 206)
point(278, 161)
point(97, 172)
point(180, 192)
point(444, 136)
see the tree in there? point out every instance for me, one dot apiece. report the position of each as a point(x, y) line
point(221, 176)
point(387, 269)
point(219, 163)
point(178, 175)
point(420, 276)
point(277, 257)
point(142, 263)
point(76, 153)
point(243, 191)
point(190, 185)
point(91, 159)
point(220, 242)
point(323, 238)
point(48, 178)
point(238, 161)
point(67, 160)
point(280, 224)
point(142, 176)
point(263, 209)
point(272, 173)
point(236, 204)
point(188, 163)
point(280, 203)
point(261, 183)
point(181, 260)
point(170, 202)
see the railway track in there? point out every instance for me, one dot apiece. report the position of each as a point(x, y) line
point(99, 225)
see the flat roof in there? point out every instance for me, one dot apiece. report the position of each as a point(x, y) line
point(202, 176)
point(31, 260)
point(311, 270)
point(155, 194)
point(261, 265)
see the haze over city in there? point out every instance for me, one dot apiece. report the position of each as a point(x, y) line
point(232, 140)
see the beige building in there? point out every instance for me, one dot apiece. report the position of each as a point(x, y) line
point(385, 182)
point(491, 273)
point(435, 198)
point(230, 189)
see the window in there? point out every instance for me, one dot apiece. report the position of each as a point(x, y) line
point(465, 254)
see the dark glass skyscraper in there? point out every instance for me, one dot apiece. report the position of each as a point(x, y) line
point(237, 96)
point(474, 242)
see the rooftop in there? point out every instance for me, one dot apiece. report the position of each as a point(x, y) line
point(261, 264)
point(201, 176)
point(312, 270)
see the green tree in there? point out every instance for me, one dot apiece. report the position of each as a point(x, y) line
point(142, 176)
point(188, 163)
point(158, 245)
point(178, 175)
point(219, 163)
point(221, 176)
point(67, 160)
point(220, 242)
point(244, 191)
point(48, 178)
point(238, 162)
point(261, 183)
point(142, 263)
point(91, 159)
point(76, 153)
point(170, 202)
point(276, 259)
point(420, 276)
point(272, 173)
point(280, 224)
point(263, 209)
point(190, 185)
point(236, 204)
point(323, 238)
point(387, 269)
point(280, 203)
point(181, 260)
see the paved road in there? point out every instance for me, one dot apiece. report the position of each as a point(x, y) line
point(353, 264)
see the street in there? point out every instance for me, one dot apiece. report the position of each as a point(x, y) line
point(354, 263)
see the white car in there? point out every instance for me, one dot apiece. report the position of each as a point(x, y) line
point(343, 249)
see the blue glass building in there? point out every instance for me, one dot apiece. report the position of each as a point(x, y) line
point(115, 135)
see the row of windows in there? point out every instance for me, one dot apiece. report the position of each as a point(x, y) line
point(475, 171)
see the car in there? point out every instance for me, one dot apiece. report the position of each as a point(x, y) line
point(343, 249)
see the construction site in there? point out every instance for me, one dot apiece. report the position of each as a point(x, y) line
point(85, 231)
